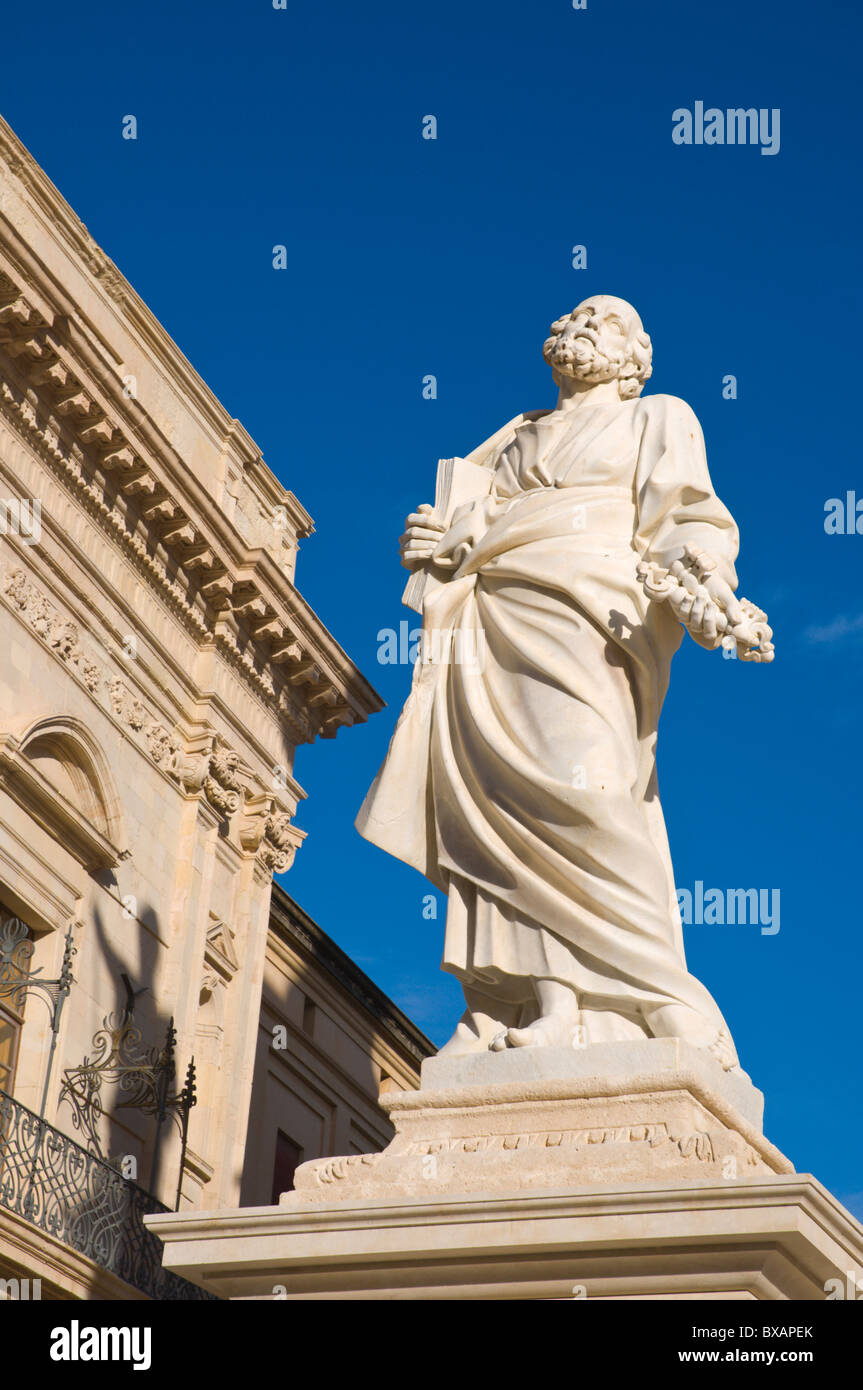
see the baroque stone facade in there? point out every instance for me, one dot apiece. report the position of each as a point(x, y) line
point(332, 1050)
point(160, 668)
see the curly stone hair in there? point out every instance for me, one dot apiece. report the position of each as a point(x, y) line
point(637, 367)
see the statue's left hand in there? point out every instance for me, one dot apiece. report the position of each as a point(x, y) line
point(699, 605)
point(698, 614)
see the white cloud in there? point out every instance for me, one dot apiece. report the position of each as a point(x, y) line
point(836, 631)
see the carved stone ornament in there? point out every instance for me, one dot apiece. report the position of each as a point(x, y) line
point(126, 706)
point(163, 748)
point(57, 633)
point(548, 1118)
point(222, 786)
point(268, 832)
point(279, 844)
point(212, 768)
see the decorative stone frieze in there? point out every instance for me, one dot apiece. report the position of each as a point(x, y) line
point(164, 749)
point(57, 633)
point(79, 425)
point(126, 706)
point(567, 1117)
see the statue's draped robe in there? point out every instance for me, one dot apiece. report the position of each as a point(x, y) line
point(521, 775)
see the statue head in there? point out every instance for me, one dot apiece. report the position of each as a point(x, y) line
point(603, 339)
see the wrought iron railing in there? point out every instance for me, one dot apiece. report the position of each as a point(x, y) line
point(56, 1185)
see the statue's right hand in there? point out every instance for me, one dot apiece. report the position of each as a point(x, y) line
point(424, 528)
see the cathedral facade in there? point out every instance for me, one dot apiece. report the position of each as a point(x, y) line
point(170, 1035)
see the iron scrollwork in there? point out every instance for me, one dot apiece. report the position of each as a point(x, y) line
point(143, 1075)
point(52, 1182)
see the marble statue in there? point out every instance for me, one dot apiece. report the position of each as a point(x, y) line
point(522, 782)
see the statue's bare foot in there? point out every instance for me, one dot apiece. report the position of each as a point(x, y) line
point(474, 1033)
point(553, 1030)
point(679, 1021)
point(557, 1026)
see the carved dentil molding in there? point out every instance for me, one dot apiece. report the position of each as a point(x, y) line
point(114, 476)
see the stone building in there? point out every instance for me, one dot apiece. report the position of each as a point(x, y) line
point(159, 670)
point(344, 1043)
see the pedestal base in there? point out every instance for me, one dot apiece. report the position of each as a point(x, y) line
point(623, 1170)
point(550, 1118)
point(782, 1237)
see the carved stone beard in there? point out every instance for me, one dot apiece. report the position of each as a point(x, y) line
point(581, 359)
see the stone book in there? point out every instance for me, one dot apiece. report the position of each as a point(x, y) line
point(458, 481)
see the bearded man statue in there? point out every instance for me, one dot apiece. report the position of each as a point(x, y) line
point(523, 782)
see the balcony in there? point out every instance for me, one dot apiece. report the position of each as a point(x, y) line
point(55, 1185)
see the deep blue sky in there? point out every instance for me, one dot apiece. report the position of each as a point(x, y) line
point(409, 257)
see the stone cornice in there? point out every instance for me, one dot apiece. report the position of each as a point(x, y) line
point(63, 391)
point(112, 286)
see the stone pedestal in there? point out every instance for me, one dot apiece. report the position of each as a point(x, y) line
point(622, 1170)
point(552, 1118)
